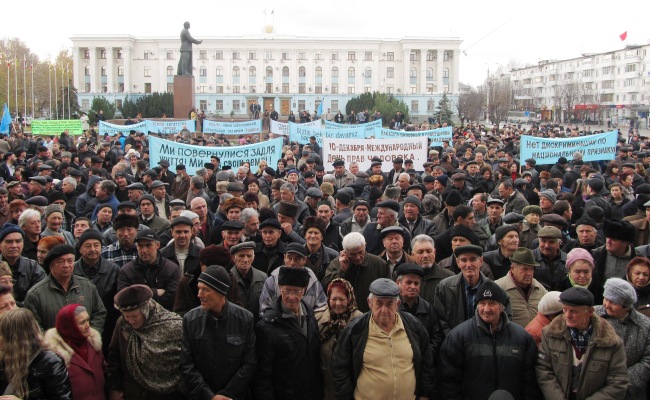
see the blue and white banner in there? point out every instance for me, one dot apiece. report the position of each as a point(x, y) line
point(371, 128)
point(170, 127)
point(147, 126)
point(437, 135)
point(547, 151)
point(106, 128)
point(282, 128)
point(362, 151)
point(233, 128)
point(193, 157)
point(301, 133)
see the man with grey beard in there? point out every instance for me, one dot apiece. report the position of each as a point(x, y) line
point(181, 184)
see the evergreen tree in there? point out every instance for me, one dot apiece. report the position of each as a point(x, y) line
point(443, 111)
point(100, 103)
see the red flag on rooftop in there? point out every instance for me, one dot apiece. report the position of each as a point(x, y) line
point(623, 36)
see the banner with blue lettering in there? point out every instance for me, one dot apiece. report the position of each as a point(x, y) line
point(233, 128)
point(362, 151)
point(547, 151)
point(371, 128)
point(106, 128)
point(193, 157)
point(147, 126)
point(301, 133)
point(282, 128)
point(437, 136)
point(170, 127)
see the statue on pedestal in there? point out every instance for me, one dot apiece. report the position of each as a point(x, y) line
point(185, 63)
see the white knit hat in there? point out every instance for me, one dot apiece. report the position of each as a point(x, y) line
point(550, 304)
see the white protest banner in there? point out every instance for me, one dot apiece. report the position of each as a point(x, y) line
point(193, 157)
point(282, 128)
point(362, 151)
point(232, 128)
point(106, 128)
point(170, 127)
point(547, 151)
point(371, 128)
point(437, 135)
point(301, 133)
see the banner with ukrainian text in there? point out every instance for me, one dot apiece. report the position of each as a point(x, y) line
point(437, 136)
point(193, 157)
point(106, 128)
point(371, 128)
point(56, 126)
point(362, 151)
point(547, 151)
point(301, 133)
point(233, 128)
point(170, 127)
point(282, 128)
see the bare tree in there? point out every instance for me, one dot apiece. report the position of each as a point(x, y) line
point(471, 104)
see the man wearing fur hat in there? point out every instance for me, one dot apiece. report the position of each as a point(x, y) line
point(468, 371)
point(217, 327)
point(287, 215)
point(611, 259)
point(62, 287)
point(288, 341)
point(580, 355)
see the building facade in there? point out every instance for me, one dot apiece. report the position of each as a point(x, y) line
point(287, 73)
point(604, 87)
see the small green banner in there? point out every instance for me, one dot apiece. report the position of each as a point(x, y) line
point(56, 126)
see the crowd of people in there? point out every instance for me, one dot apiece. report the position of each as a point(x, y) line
point(467, 277)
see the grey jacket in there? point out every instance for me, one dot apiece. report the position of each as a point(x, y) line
point(633, 330)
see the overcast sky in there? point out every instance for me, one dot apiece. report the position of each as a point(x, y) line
point(493, 32)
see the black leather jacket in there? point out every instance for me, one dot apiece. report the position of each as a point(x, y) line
point(27, 274)
point(347, 360)
point(47, 379)
point(218, 353)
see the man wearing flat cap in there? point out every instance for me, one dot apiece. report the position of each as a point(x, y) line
point(342, 176)
point(412, 218)
point(392, 239)
point(455, 296)
point(524, 291)
point(149, 215)
point(295, 257)
point(369, 348)
point(62, 287)
point(152, 269)
point(550, 257)
point(181, 184)
point(288, 343)
point(611, 259)
point(409, 279)
point(471, 351)
point(387, 213)
point(580, 355)
point(248, 279)
point(216, 328)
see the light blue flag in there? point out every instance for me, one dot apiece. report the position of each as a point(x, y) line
point(320, 108)
point(6, 120)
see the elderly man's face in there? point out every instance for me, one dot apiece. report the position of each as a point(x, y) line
point(383, 310)
point(549, 247)
point(385, 216)
point(286, 195)
point(393, 242)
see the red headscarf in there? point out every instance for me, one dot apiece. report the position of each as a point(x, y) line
point(66, 325)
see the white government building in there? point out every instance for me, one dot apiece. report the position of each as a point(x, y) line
point(288, 73)
point(612, 86)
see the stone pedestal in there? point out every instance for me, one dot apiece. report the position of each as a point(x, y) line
point(184, 95)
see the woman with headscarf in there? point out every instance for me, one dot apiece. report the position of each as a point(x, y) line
point(632, 327)
point(341, 308)
point(80, 347)
point(638, 274)
point(54, 221)
point(145, 350)
point(580, 272)
point(27, 369)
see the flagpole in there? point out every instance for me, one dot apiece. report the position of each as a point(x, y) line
point(62, 93)
point(49, 86)
point(16, 80)
point(67, 77)
point(8, 83)
point(31, 66)
point(56, 94)
point(25, 87)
